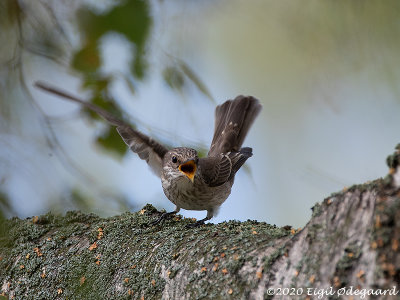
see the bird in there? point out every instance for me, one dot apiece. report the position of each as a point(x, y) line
point(189, 181)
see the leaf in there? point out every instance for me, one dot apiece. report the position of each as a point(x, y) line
point(97, 83)
point(106, 104)
point(111, 141)
point(195, 79)
point(139, 66)
point(174, 78)
point(87, 59)
point(130, 18)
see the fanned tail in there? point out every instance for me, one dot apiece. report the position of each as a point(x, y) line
point(233, 120)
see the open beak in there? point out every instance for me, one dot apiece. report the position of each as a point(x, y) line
point(189, 169)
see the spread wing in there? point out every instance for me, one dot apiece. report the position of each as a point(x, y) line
point(216, 170)
point(147, 149)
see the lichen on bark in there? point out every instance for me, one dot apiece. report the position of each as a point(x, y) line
point(352, 240)
point(81, 255)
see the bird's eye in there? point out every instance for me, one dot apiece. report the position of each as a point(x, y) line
point(174, 159)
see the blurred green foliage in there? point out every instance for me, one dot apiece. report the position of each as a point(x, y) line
point(80, 201)
point(132, 20)
point(110, 140)
point(4, 206)
point(10, 12)
point(4, 209)
point(39, 29)
point(174, 76)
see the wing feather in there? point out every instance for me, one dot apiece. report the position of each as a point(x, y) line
point(217, 170)
point(146, 148)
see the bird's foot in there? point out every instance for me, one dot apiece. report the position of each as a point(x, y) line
point(164, 216)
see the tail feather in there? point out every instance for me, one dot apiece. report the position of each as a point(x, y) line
point(233, 120)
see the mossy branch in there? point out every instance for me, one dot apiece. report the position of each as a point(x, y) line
point(352, 240)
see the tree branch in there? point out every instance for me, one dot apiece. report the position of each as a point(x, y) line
point(350, 245)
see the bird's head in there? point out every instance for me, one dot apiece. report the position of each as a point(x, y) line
point(181, 163)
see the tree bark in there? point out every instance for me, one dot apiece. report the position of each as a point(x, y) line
point(349, 248)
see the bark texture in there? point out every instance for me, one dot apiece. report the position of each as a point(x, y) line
point(351, 243)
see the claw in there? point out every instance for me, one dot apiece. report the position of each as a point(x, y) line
point(166, 215)
point(196, 224)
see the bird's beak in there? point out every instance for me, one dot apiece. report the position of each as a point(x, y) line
point(189, 169)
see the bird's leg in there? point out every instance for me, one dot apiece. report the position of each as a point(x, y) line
point(210, 214)
point(165, 215)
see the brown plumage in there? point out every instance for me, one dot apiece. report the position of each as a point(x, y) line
point(188, 181)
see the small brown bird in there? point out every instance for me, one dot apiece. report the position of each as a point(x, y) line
point(188, 181)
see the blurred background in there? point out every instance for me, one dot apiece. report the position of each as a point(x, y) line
point(326, 72)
